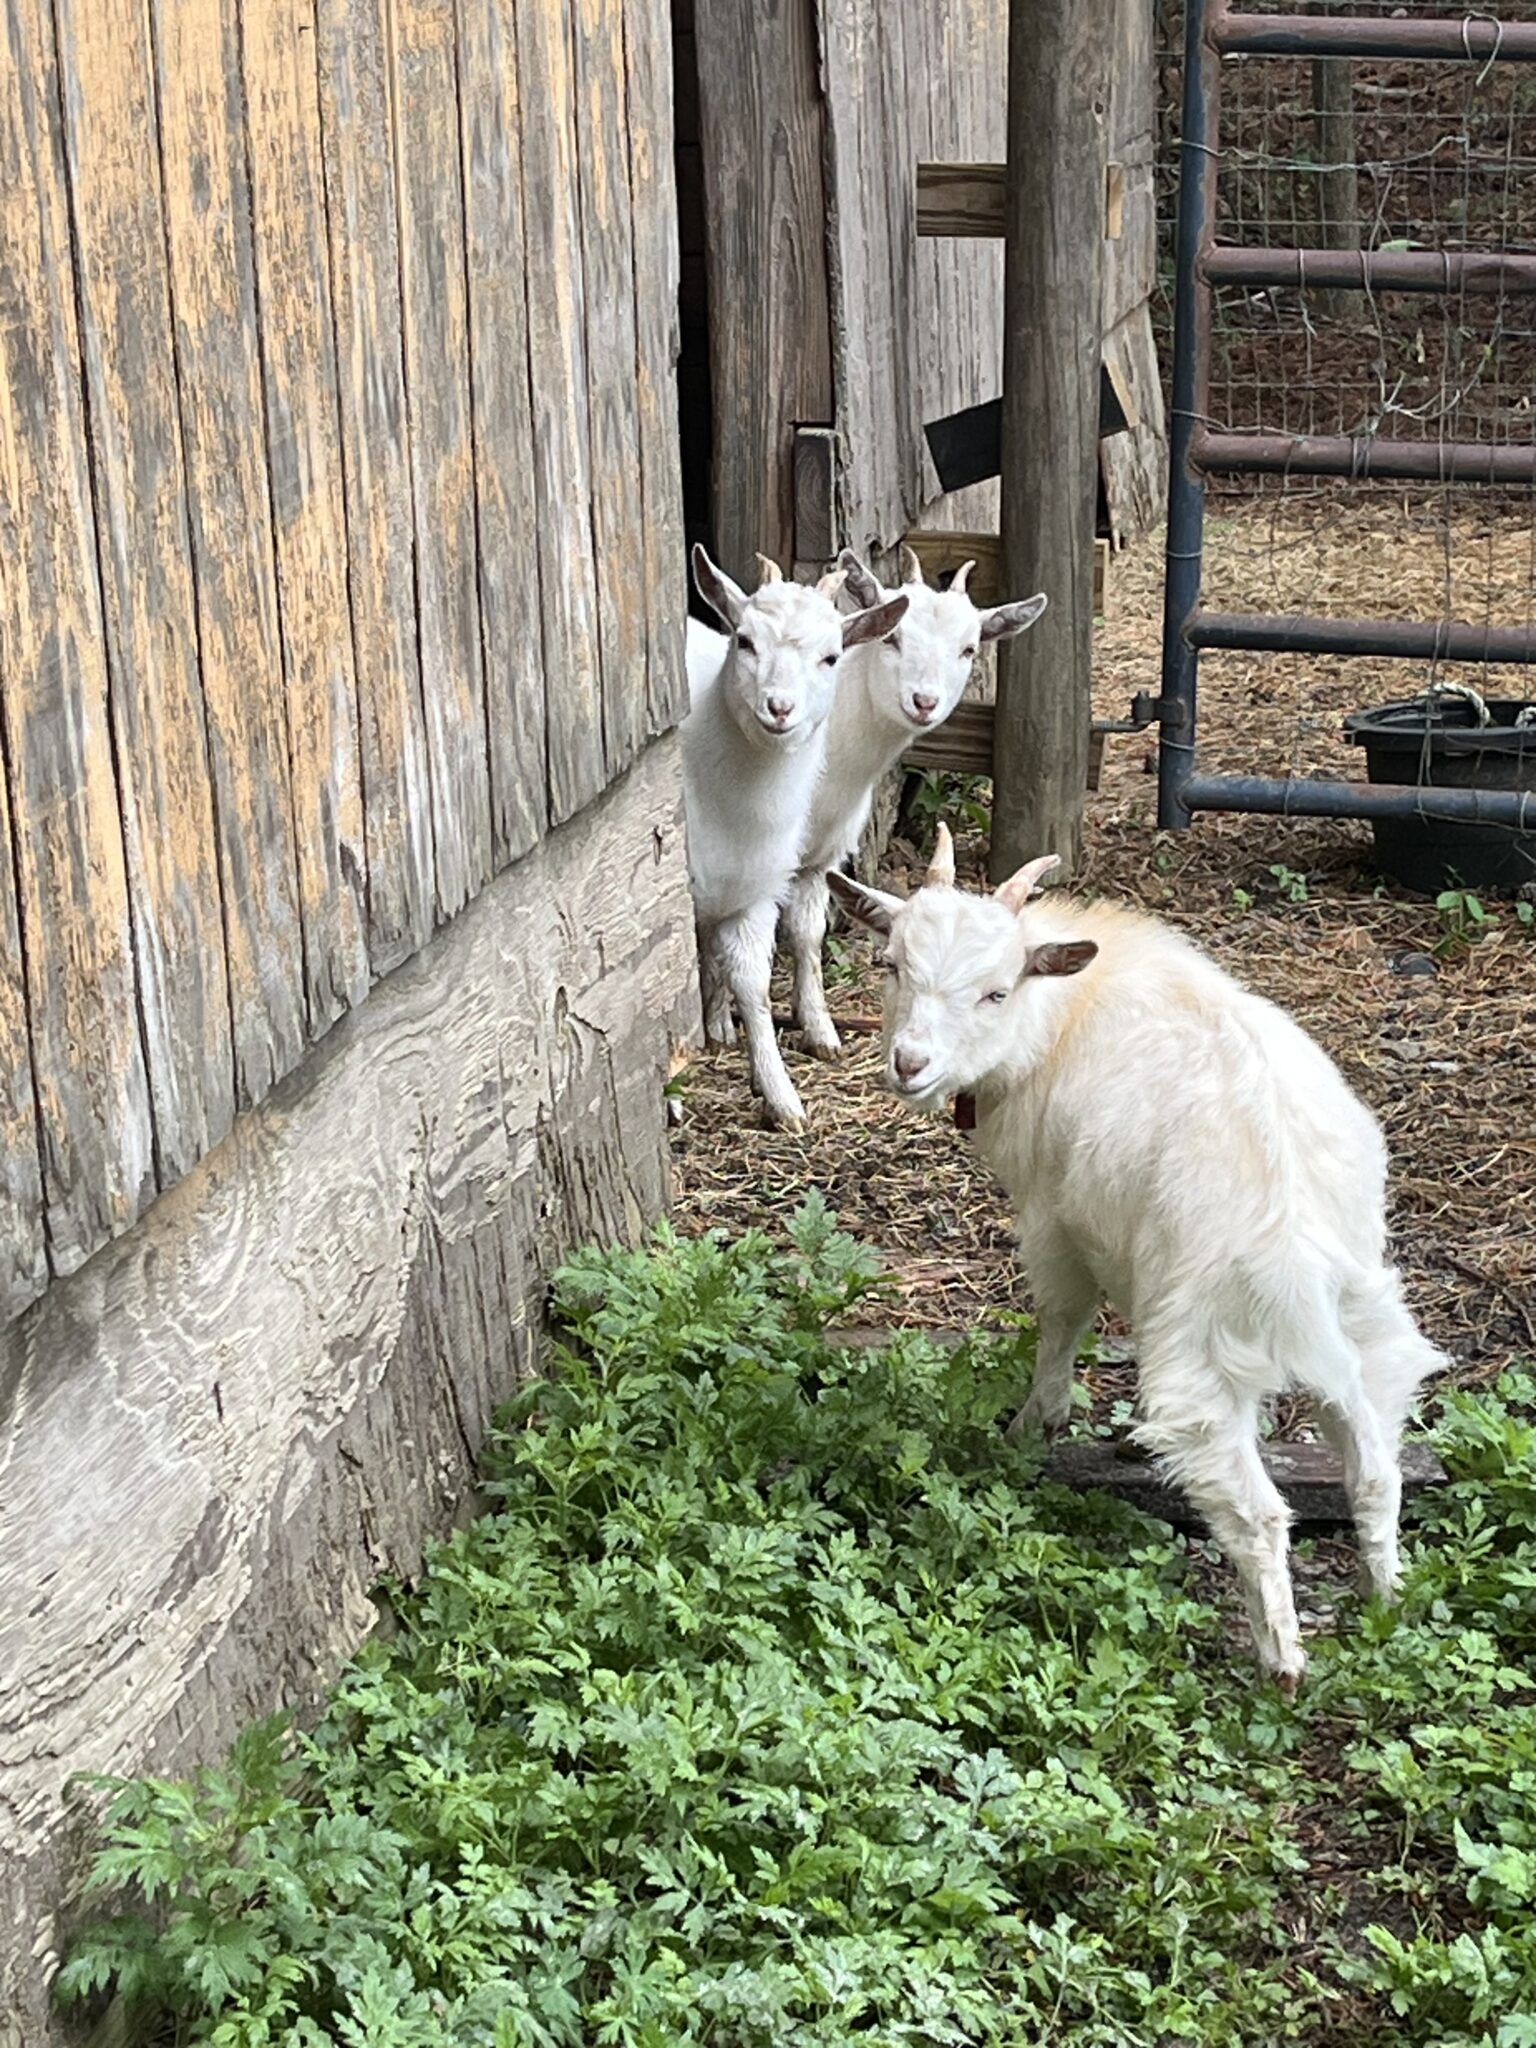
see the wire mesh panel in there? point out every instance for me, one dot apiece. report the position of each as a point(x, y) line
point(1433, 161)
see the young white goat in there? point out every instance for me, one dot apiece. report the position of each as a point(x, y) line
point(895, 688)
point(753, 746)
point(1177, 1144)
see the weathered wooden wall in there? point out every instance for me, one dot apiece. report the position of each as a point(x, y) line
point(843, 102)
point(340, 525)
point(224, 1429)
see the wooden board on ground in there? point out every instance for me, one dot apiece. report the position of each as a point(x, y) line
point(1308, 1474)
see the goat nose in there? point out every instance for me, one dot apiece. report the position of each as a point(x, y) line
point(779, 708)
point(909, 1064)
point(925, 704)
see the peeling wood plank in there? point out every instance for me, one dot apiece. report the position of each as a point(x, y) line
point(653, 201)
point(492, 116)
point(92, 1089)
point(557, 354)
point(608, 297)
point(208, 212)
point(962, 199)
point(304, 464)
point(365, 289)
point(145, 552)
point(424, 112)
point(762, 137)
point(23, 1253)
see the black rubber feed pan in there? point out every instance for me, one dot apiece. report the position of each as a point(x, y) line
point(1439, 741)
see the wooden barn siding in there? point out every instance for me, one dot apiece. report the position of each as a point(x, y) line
point(341, 523)
point(270, 1393)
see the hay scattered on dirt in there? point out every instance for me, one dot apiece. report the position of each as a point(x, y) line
point(1448, 1060)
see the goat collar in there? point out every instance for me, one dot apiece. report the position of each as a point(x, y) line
point(965, 1112)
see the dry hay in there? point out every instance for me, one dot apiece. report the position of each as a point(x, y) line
point(1447, 1060)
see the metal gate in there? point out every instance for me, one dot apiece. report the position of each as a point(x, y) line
point(1213, 31)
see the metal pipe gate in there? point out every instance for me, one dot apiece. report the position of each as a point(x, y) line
point(1213, 31)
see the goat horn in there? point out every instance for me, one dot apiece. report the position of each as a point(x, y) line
point(1019, 887)
point(769, 572)
point(961, 576)
point(911, 567)
point(830, 584)
point(941, 869)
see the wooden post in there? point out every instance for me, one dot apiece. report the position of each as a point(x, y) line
point(1333, 100)
point(1058, 61)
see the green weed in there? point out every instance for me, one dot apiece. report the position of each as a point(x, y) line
point(777, 1701)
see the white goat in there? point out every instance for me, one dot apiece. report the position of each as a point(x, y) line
point(907, 683)
point(753, 745)
point(1177, 1144)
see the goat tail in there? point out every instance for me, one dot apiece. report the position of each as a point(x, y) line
point(1396, 1357)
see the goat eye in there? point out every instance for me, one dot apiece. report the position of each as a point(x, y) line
point(745, 644)
point(995, 995)
point(829, 661)
point(968, 654)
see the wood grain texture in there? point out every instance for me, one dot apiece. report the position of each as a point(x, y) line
point(236, 1419)
point(945, 551)
point(92, 1092)
point(817, 528)
point(424, 119)
point(562, 458)
point(1058, 62)
point(613, 422)
point(23, 1252)
point(490, 104)
point(365, 289)
point(1310, 1476)
point(208, 213)
point(145, 552)
point(303, 434)
point(961, 199)
point(1135, 463)
point(654, 207)
point(762, 139)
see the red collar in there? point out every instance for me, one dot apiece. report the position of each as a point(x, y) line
point(965, 1112)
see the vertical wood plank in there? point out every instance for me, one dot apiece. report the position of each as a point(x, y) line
point(608, 273)
point(304, 466)
point(762, 135)
point(491, 106)
point(429, 196)
point(23, 1255)
point(365, 289)
point(557, 357)
point(145, 551)
point(653, 200)
point(213, 297)
point(92, 1090)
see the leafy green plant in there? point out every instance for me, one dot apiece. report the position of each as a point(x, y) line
point(1291, 883)
point(779, 1700)
point(935, 793)
point(1466, 920)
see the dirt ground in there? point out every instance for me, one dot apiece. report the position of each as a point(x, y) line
point(1447, 1057)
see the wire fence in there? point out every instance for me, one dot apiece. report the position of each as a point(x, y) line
point(1373, 155)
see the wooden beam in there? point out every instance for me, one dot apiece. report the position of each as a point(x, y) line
point(1309, 1475)
point(962, 745)
point(816, 523)
point(1058, 89)
point(961, 199)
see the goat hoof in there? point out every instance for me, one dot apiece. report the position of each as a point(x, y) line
point(822, 1048)
point(1289, 1682)
point(787, 1116)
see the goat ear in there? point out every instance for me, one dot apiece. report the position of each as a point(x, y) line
point(862, 586)
point(1017, 890)
point(726, 599)
point(1061, 956)
point(869, 907)
point(875, 623)
point(1002, 621)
